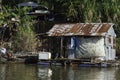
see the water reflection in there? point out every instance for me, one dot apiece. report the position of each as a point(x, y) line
point(17, 72)
point(91, 74)
point(71, 73)
point(37, 72)
point(2, 72)
point(44, 73)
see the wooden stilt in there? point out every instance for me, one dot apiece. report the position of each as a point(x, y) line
point(61, 54)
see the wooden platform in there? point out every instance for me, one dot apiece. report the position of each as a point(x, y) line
point(79, 62)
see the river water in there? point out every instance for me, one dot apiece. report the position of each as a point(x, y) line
point(38, 72)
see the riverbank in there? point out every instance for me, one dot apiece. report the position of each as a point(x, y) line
point(28, 59)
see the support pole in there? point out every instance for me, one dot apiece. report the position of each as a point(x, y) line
point(61, 53)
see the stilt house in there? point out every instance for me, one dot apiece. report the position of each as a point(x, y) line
point(87, 40)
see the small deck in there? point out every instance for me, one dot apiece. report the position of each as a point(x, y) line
point(62, 61)
point(78, 62)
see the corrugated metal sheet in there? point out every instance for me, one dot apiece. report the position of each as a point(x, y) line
point(80, 29)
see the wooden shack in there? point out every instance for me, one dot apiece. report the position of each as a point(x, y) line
point(85, 40)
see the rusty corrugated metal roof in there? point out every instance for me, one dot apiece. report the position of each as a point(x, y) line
point(80, 29)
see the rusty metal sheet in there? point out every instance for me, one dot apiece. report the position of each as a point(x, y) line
point(80, 29)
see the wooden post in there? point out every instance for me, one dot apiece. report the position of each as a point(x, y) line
point(61, 53)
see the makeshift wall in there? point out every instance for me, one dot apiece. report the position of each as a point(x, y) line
point(86, 47)
point(110, 44)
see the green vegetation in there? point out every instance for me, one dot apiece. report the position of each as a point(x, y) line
point(24, 38)
point(74, 10)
